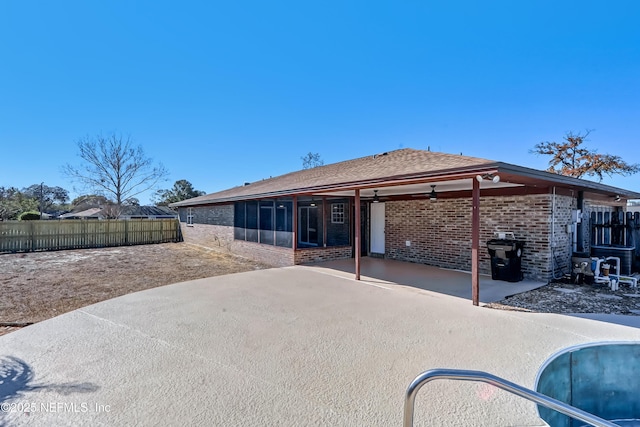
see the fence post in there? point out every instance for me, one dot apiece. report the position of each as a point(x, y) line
point(32, 235)
point(178, 233)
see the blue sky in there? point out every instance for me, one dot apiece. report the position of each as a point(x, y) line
point(227, 92)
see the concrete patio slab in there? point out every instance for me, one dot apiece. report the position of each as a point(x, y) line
point(387, 272)
point(281, 347)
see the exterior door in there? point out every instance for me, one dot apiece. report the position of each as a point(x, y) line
point(377, 228)
point(308, 225)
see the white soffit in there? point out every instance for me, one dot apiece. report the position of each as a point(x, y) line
point(441, 186)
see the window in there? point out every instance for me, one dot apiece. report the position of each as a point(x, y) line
point(337, 213)
point(190, 217)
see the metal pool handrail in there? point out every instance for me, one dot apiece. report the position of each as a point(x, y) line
point(464, 375)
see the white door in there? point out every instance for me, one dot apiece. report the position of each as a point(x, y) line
point(377, 228)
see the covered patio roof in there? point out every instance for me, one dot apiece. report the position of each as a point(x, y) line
point(410, 173)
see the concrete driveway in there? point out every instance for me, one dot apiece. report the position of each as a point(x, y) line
point(283, 347)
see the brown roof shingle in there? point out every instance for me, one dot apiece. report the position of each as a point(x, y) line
point(401, 163)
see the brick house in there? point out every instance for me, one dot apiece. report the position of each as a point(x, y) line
point(410, 205)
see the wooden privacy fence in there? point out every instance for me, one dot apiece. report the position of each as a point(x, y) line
point(25, 236)
point(616, 228)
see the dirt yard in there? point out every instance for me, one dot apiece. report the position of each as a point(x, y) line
point(38, 286)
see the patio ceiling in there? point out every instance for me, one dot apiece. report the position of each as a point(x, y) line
point(425, 188)
point(448, 185)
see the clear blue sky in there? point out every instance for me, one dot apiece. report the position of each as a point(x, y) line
point(223, 92)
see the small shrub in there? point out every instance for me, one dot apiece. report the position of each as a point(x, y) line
point(29, 216)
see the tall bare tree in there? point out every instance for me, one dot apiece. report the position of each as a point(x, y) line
point(114, 168)
point(571, 158)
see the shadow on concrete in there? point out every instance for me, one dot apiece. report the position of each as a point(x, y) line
point(17, 378)
point(386, 272)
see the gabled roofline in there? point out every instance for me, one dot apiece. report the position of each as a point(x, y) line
point(514, 173)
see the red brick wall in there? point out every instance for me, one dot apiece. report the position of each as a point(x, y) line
point(440, 232)
point(219, 237)
point(308, 255)
point(208, 236)
point(271, 255)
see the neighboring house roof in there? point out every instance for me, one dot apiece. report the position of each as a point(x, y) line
point(125, 211)
point(399, 166)
point(148, 211)
point(88, 213)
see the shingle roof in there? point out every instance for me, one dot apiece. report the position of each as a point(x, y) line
point(394, 164)
point(147, 211)
point(399, 165)
point(87, 213)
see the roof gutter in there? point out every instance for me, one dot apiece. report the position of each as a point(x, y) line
point(566, 180)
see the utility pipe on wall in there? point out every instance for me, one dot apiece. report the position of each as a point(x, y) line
point(579, 229)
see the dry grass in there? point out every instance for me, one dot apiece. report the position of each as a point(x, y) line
point(38, 286)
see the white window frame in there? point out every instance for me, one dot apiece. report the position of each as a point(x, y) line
point(337, 213)
point(190, 217)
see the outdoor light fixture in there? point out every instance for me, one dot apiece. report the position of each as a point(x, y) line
point(494, 178)
point(617, 198)
point(313, 203)
point(433, 196)
point(376, 199)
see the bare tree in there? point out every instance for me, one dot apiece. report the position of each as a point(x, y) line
point(88, 201)
point(112, 211)
point(571, 158)
point(311, 160)
point(113, 167)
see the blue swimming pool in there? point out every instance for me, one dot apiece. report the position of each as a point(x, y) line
point(600, 378)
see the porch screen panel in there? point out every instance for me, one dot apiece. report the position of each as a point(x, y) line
point(284, 223)
point(239, 218)
point(252, 222)
point(267, 223)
